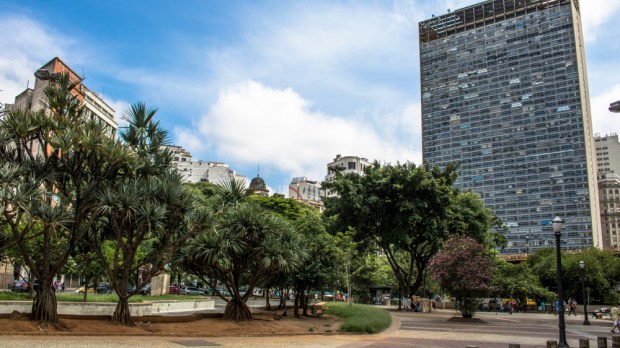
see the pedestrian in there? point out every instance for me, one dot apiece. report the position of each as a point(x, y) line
point(616, 318)
point(556, 307)
point(572, 304)
point(543, 309)
point(511, 304)
point(63, 286)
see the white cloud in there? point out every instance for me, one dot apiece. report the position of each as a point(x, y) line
point(595, 13)
point(342, 56)
point(26, 46)
point(605, 122)
point(119, 107)
point(252, 123)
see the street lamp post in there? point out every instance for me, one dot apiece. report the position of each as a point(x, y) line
point(582, 266)
point(557, 230)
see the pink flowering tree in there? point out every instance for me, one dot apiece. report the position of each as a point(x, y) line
point(464, 271)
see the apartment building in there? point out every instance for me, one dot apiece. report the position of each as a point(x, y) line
point(504, 92)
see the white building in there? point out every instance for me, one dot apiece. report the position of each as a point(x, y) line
point(200, 171)
point(345, 165)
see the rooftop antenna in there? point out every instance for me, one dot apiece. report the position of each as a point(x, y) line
point(27, 84)
point(258, 170)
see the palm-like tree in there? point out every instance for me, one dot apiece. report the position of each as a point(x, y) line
point(245, 245)
point(64, 157)
point(146, 214)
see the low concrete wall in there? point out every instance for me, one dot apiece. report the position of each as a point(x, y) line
point(105, 308)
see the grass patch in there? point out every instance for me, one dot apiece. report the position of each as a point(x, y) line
point(360, 318)
point(71, 297)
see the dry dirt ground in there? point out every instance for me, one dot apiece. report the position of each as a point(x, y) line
point(263, 324)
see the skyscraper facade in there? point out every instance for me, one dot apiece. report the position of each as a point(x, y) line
point(504, 92)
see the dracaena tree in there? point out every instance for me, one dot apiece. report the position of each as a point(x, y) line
point(56, 159)
point(245, 246)
point(146, 214)
point(464, 270)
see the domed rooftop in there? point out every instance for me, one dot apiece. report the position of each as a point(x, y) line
point(258, 184)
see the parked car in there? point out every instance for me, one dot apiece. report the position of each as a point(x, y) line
point(20, 286)
point(190, 290)
point(174, 289)
point(103, 288)
point(145, 291)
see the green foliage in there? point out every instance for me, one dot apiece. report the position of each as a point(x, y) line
point(371, 269)
point(201, 191)
point(360, 318)
point(288, 208)
point(245, 245)
point(518, 281)
point(602, 272)
point(55, 162)
point(407, 211)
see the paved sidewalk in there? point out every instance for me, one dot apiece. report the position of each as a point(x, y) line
point(409, 329)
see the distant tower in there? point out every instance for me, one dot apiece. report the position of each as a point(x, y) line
point(505, 94)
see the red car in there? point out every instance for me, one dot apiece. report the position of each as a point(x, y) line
point(173, 289)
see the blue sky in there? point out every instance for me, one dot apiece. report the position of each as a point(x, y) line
point(284, 84)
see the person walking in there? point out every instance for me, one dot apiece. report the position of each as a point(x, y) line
point(572, 304)
point(616, 318)
point(543, 309)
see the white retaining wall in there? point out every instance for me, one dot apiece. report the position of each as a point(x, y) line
point(104, 308)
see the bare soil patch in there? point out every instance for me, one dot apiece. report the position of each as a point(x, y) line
point(263, 324)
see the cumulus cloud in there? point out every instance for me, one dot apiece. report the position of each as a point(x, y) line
point(26, 45)
point(594, 13)
point(252, 123)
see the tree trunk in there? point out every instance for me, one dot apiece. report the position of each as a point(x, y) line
point(306, 300)
point(283, 303)
point(267, 304)
point(296, 304)
point(122, 315)
point(237, 310)
point(44, 306)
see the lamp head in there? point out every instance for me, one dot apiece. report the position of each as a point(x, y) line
point(557, 225)
point(582, 264)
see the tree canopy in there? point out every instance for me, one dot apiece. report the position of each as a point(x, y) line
point(408, 211)
point(463, 270)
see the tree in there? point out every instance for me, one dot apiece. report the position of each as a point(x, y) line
point(146, 214)
point(245, 245)
point(347, 248)
point(56, 159)
point(602, 272)
point(408, 211)
point(518, 281)
point(464, 271)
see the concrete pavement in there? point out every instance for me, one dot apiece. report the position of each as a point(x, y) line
point(408, 330)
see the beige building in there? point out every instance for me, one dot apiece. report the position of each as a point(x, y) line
point(608, 153)
point(200, 171)
point(608, 166)
point(307, 192)
point(34, 98)
point(609, 195)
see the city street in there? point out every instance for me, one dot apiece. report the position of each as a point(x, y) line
point(408, 330)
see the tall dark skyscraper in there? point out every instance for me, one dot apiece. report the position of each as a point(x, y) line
point(505, 93)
